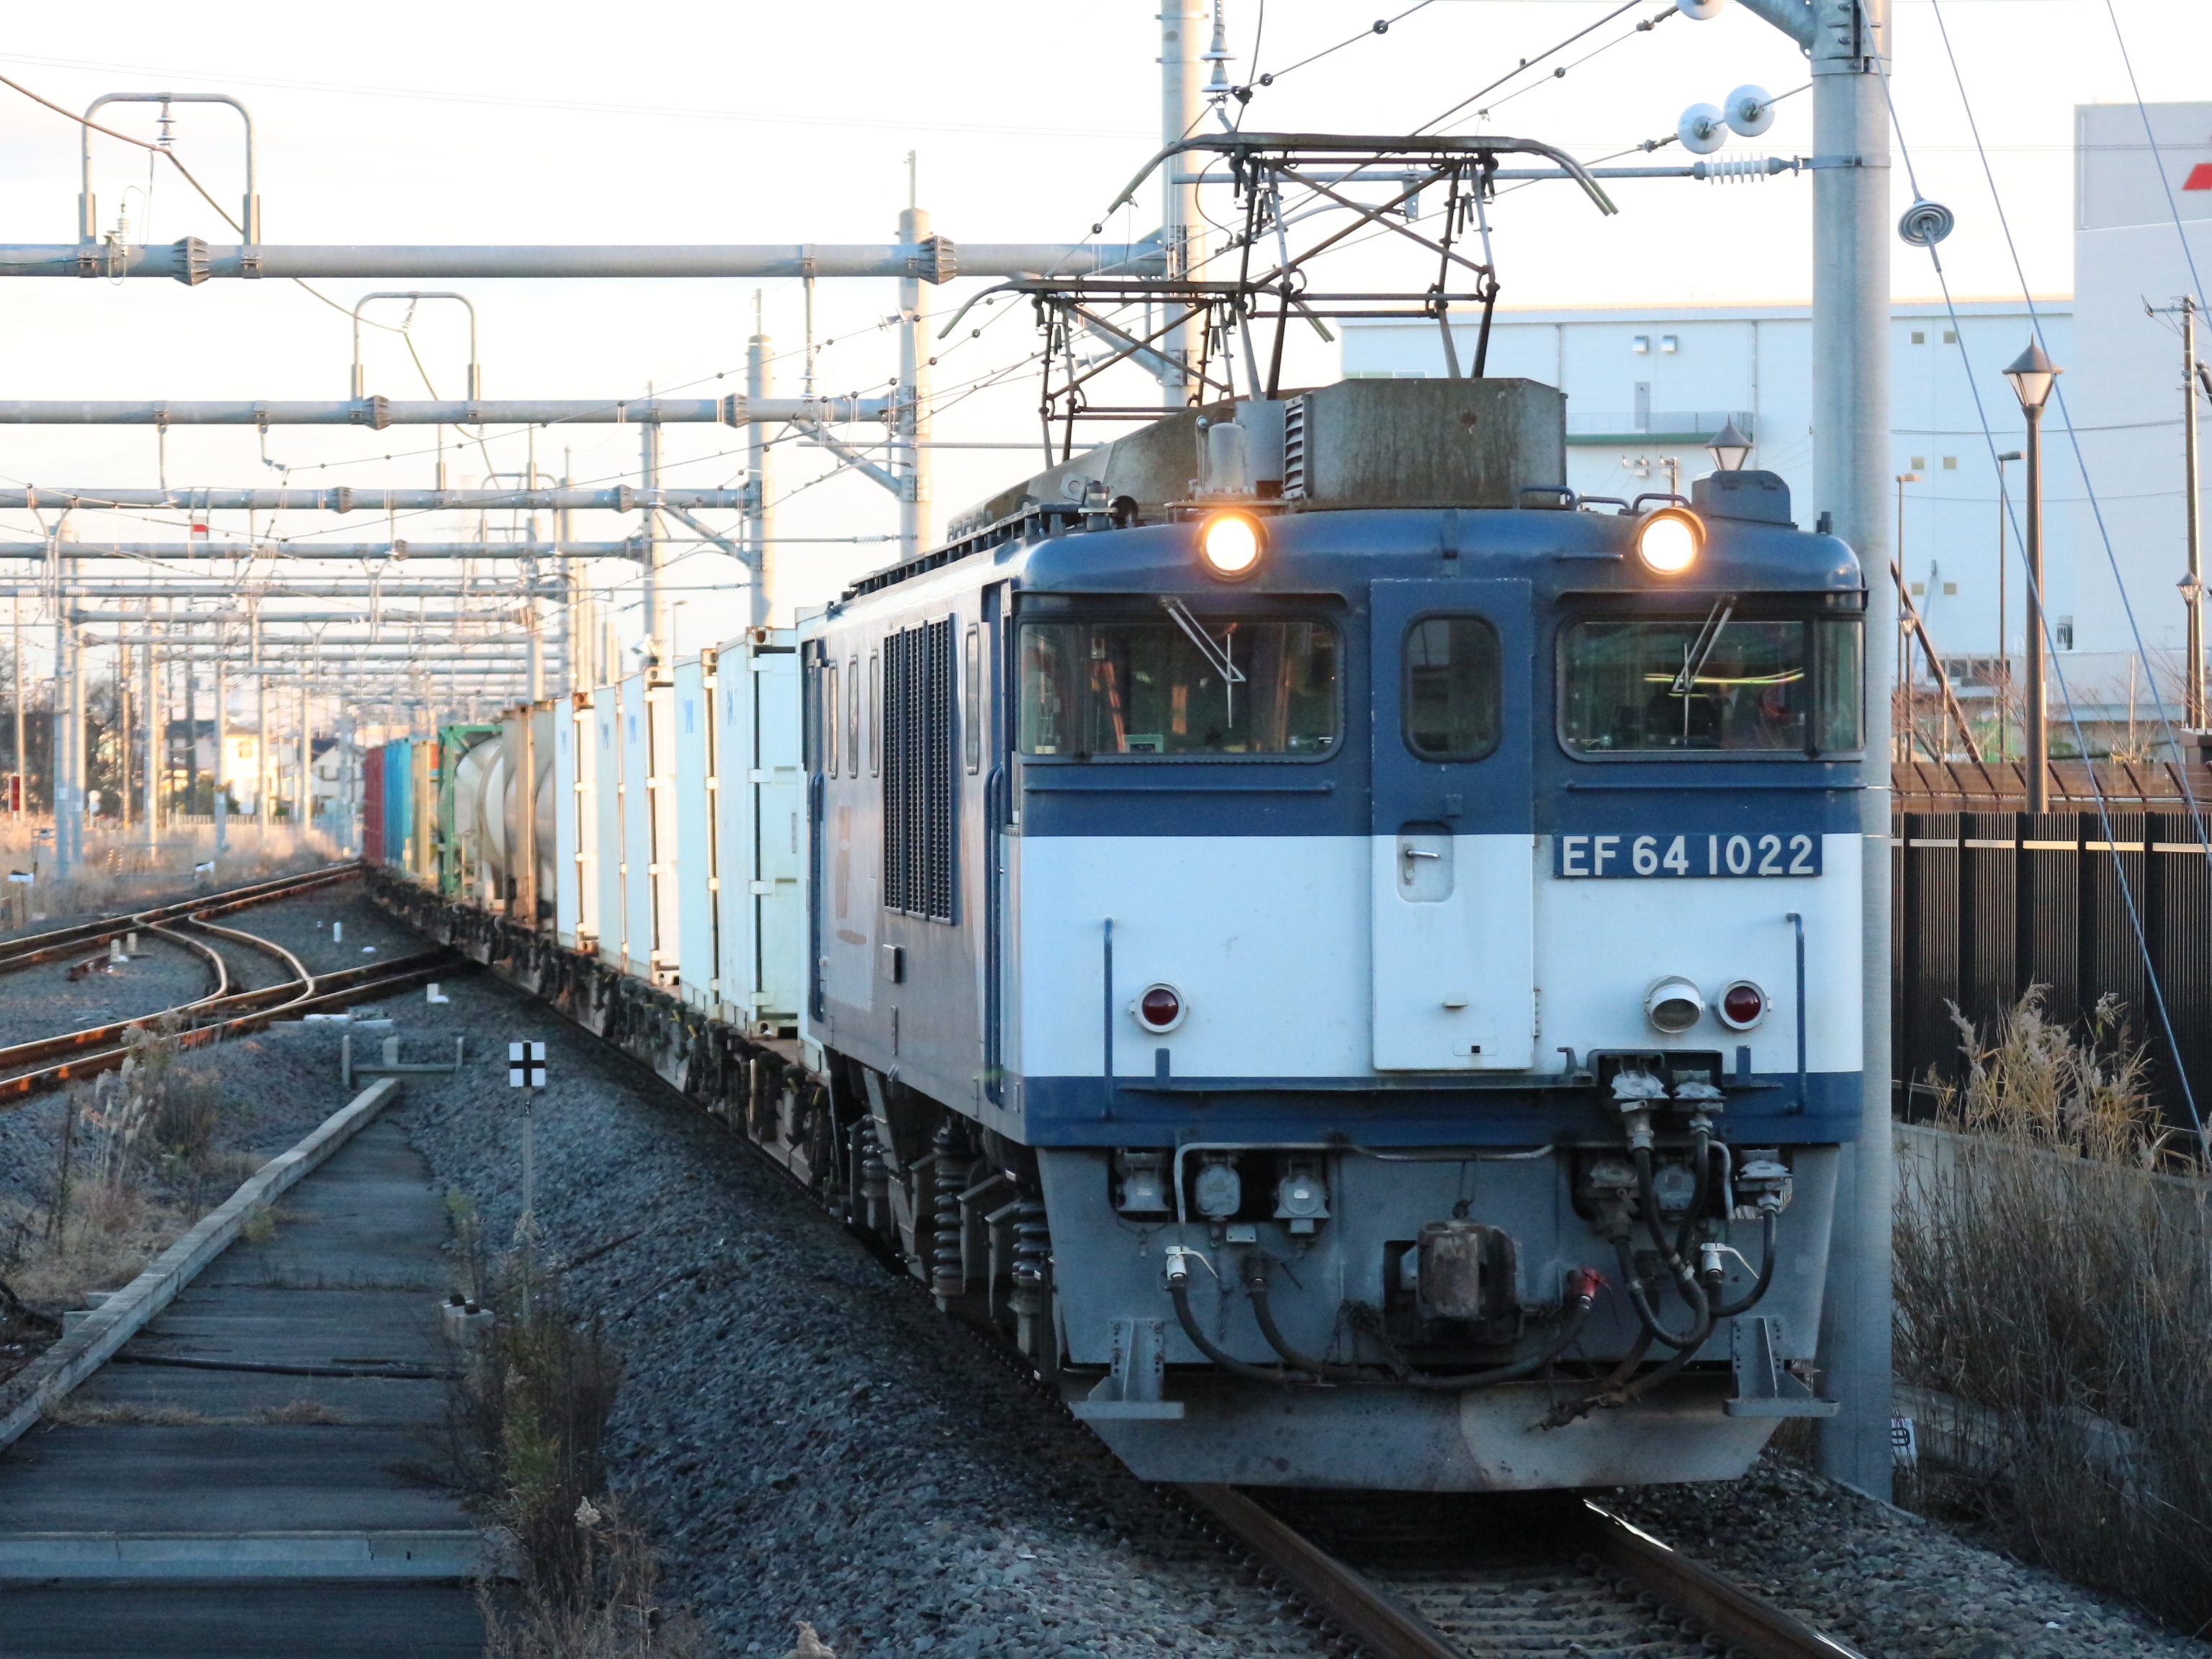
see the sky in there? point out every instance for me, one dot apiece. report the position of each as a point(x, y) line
point(666, 123)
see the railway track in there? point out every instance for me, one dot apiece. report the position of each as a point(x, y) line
point(1523, 1576)
point(225, 1010)
point(34, 948)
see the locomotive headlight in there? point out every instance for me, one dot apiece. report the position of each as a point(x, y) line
point(1674, 1006)
point(1230, 543)
point(1669, 540)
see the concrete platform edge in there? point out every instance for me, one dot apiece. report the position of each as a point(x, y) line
point(25, 1396)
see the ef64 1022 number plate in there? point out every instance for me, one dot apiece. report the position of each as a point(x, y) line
point(1760, 852)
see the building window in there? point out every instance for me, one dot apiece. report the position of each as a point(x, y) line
point(1919, 337)
point(1919, 462)
point(1950, 463)
point(2065, 632)
point(918, 696)
point(1950, 337)
point(1640, 344)
point(1669, 344)
point(1950, 590)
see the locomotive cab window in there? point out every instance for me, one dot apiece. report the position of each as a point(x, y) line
point(1722, 682)
point(1179, 682)
point(1452, 688)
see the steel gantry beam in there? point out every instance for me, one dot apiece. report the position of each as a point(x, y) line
point(378, 413)
point(192, 261)
point(348, 499)
point(210, 549)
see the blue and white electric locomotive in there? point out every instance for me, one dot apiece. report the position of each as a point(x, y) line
point(1348, 954)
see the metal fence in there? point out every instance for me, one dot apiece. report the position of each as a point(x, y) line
point(1988, 903)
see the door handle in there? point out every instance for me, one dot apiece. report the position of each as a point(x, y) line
point(1409, 853)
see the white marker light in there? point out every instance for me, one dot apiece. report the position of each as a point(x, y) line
point(1669, 540)
point(1230, 543)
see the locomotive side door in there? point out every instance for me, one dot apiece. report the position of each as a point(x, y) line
point(1452, 887)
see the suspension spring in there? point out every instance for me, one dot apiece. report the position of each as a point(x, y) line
point(949, 1174)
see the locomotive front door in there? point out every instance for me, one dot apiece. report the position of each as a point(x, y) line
point(1452, 887)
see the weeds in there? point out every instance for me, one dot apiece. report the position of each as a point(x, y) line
point(303, 1411)
point(135, 1165)
point(2053, 1295)
point(527, 1430)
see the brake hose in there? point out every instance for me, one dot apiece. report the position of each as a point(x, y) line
point(1256, 1285)
point(1692, 1292)
point(1179, 1291)
point(1766, 1273)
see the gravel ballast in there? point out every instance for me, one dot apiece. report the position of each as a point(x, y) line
point(807, 1439)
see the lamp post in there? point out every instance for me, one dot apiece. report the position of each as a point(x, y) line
point(2032, 375)
point(1730, 449)
point(2004, 645)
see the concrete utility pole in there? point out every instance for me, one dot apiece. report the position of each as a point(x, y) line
point(66, 764)
point(760, 473)
point(1847, 42)
point(1182, 106)
point(910, 429)
point(2193, 585)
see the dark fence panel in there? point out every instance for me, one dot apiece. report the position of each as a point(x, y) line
point(1988, 903)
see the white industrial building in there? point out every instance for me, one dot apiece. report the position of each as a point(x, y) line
point(1647, 386)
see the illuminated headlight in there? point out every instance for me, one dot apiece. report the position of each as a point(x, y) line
point(1230, 543)
point(1669, 540)
point(1674, 1006)
point(1743, 1005)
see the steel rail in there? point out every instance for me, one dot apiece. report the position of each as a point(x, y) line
point(1742, 1623)
point(36, 948)
point(360, 985)
point(1745, 1621)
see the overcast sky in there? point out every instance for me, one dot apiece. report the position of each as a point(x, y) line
point(412, 122)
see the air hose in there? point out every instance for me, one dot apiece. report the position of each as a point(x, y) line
point(1179, 1292)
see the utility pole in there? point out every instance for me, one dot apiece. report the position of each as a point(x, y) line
point(220, 813)
point(1182, 106)
point(1847, 42)
point(65, 764)
point(15, 647)
point(2192, 516)
point(760, 478)
point(911, 428)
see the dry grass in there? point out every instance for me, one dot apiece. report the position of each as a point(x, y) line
point(2055, 1284)
point(120, 872)
point(527, 1421)
point(135, 1165)
point(89, 1414)
point(303, 1412)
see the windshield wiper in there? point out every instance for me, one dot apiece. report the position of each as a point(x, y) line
point(1701, 648)
point(1216, 657)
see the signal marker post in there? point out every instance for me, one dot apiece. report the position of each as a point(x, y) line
point(525, 1070)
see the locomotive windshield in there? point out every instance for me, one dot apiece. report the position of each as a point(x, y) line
point(1184, 683)
point(1722, 682)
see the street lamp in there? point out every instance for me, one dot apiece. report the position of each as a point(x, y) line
point(2032, 375)
point(1730, 449)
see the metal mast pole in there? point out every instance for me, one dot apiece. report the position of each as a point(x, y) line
point(65, 784)
point(1182, 106)
point(911, 431)
point(760, 481)
point(656, 606)
point(261, 744)
point(2193, 588)
point(1848, 43)
point(2038, 738)
point(15, 646)
point(220, 813)
point(154, 720)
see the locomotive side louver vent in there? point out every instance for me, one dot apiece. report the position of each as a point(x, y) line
point(917, 727)
point(1294, 450)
